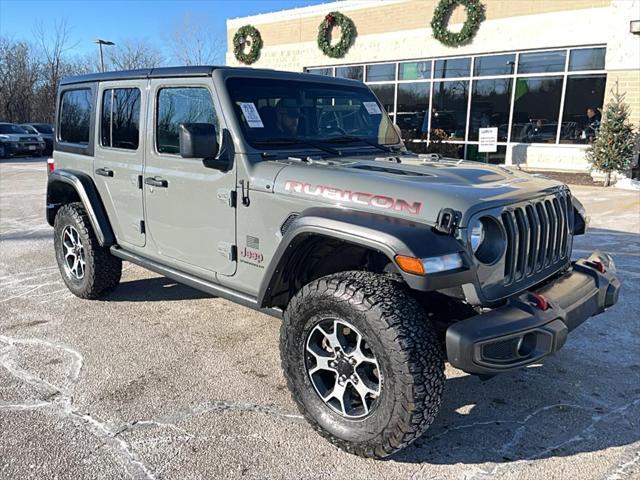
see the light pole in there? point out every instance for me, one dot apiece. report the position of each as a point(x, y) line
point(100, 43)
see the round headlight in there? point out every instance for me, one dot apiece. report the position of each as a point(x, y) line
point(487, 240)
point(476, 234)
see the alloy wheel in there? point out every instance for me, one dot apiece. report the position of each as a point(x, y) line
point(343, 369)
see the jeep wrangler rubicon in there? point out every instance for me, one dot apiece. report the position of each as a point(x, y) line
point(293, 194)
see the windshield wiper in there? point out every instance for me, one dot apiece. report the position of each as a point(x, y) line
point(298, 141)
point(351, 139)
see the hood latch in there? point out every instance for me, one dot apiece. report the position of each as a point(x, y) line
point(447, 221)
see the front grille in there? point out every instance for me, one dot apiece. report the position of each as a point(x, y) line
point(538, 236)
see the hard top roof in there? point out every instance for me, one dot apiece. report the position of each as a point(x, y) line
point(192, 71)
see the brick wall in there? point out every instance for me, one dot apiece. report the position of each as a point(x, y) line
point(629, 84)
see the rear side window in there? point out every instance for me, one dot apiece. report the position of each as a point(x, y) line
point(181, 105)
point(75, 116)
point(120, 121)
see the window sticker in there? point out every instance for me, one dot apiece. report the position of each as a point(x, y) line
point(251, 115)
point(372, 108)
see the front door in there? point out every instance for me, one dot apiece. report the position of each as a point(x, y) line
point(119, 157)
point(188, 215)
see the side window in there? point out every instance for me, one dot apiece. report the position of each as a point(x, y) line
point(181, 105)
point(120, 122)
point(75, 116)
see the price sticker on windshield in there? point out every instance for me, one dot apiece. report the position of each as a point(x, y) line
point(251, 115)
point(372, 108)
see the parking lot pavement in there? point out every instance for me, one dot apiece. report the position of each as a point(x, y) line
point(161, 381)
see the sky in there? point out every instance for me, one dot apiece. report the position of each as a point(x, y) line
point(121, 19)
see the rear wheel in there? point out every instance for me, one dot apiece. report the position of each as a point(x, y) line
point(362, 362)
point(87, 269)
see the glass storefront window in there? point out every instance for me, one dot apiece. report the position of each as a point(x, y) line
point(494, 65)
point(587, 59)
point(354, 73)
point(321, 71)
point(414, 71)
point(582, 104)
point(541, 62)
point(490, 100)
point(449, 108)
point(381, 73)
point(413, 105)
point(536, 109)
point(385, 94)
point(525, 98)
point(452, 68)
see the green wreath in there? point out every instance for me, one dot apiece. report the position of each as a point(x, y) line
point(442, 14)
point(324, 34)
point(247, 35)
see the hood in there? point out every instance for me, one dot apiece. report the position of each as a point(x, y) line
point(410, 188)
point(20, 137)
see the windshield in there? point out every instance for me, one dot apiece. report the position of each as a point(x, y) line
point(10, 128)
point(275, 113)
point(43, 128)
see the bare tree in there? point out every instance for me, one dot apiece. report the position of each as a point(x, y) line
point(19, 73)
point(131, 54)
point(192, 42)
point(53, 49)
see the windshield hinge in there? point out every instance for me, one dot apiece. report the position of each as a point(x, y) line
point(244, 191)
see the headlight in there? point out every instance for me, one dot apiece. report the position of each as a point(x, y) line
point(487, 239)
point(476, 235)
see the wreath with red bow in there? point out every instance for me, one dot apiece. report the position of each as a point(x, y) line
point(336, 19)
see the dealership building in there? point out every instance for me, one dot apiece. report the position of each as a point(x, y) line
point(533, 70)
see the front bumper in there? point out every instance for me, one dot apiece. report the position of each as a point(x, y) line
point(23, 148)
point(520, 332)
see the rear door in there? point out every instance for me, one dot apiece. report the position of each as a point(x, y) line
point(119, 157)
point(188, 214)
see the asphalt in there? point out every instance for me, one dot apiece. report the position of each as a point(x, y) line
point(161, 381)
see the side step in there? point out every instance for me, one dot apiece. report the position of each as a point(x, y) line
point(195, 282)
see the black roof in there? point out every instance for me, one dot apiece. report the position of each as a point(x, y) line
point(164, 72)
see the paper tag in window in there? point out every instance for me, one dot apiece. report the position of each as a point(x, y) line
point(372, 108)
point(251, 115)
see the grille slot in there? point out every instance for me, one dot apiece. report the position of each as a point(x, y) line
point(538, 236)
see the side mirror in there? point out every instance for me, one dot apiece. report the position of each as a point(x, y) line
point(198, 140)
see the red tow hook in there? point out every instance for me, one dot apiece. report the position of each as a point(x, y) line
point(598, 265)
point(539, 301)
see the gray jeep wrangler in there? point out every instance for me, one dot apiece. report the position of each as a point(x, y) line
point(293, 194)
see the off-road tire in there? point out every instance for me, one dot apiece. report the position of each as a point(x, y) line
point(407, 349)
point(102, 271)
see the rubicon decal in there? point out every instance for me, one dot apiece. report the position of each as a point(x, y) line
point(358, 198)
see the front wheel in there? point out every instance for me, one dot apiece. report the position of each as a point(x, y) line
point(362, 362)
point(87, 269)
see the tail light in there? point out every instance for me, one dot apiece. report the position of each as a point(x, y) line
point(50, 165)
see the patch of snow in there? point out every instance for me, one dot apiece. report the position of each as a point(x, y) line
point(628, 184)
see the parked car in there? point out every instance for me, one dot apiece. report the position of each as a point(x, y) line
point(293, 194)
point(15, 140)
point(45, 130)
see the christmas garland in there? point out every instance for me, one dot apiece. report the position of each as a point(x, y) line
point(247, 35)
point(324, 34)
point(442, 14)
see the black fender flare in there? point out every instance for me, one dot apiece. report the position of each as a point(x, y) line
point(390, 236)
point(87, 192)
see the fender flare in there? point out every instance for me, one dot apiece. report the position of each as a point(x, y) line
point(390, 236)
point(88, 194)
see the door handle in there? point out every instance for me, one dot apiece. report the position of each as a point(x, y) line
point(104, 172)
point(156, 182)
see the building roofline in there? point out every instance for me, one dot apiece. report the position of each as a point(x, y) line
point(302, 12)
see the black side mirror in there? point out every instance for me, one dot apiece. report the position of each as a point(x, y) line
point(198, 140)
